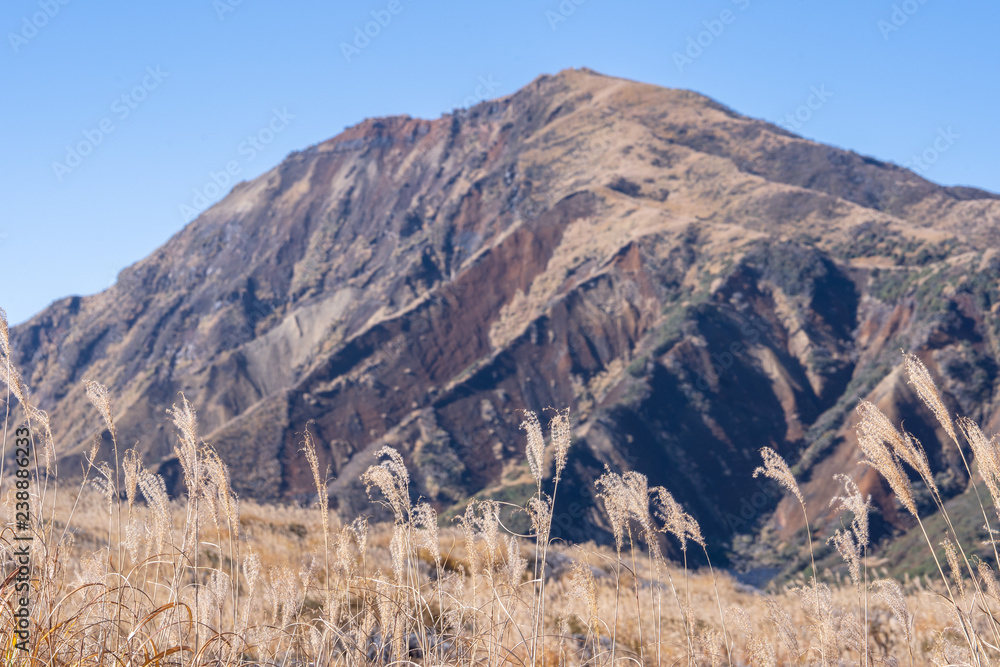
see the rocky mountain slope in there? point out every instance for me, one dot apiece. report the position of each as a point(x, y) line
point(692, 283)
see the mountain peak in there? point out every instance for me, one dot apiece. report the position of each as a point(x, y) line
point(692, 283)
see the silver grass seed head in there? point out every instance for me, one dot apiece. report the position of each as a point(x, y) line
point(360, 529)
point(426, 523)
point(784, 627)
point(776, 468)
point(611, 491)
point(920, 379)
point(954, 567)
point(154, 490)
point(987, 455)
point(516, 563)
point(675, 520)
point(487, 522)
point(560, 439)
point(131, 465)
point(902, 445)
point(539, 513)
point(467, 522)
point(883, 460)
point(739, 618)
point(857, 504)
point(251, 570)
point(535, 448)
point(711, 644)
point(12, 378)
point(988, 578)
point(397, 550)
point(889, 591)
point(849, 550)
point(584, 588)
point(95, 445)
point(393, 480)
point(4, 335)
point(132, 538)
point(97, 394)
point(186, 422)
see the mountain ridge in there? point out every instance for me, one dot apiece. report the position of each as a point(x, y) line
point(585, 242)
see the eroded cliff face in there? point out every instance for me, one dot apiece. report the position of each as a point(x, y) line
point(692, 283)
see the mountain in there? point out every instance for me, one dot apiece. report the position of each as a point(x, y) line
point(692, 283)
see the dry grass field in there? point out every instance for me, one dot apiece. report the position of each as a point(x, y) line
point(121, 574)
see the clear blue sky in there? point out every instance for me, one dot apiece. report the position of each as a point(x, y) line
point(225, 67)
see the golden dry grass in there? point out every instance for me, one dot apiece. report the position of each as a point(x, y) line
point(121, 574)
